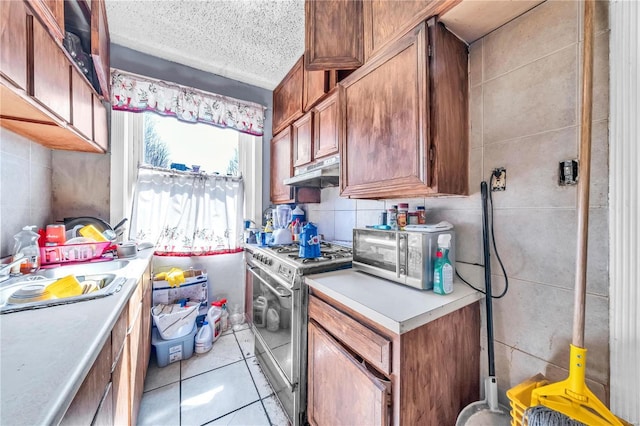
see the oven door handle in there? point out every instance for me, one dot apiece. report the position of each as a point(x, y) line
point(263, 281)
point(272, 358)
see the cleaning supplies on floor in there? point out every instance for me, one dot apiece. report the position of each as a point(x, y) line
point(213, 317)
point(175, 320)
point(26, 246)
point(443, 271)
point(204, 338)
point(224, 317)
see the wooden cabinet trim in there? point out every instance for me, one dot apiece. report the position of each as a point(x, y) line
point(100, 46)
point(281, 165)
point(373, 347)
point(323, 350)
point(53, 19)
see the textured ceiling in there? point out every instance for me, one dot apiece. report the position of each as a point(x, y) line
point(253, 41)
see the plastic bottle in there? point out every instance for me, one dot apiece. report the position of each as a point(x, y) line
point(392, 217)
point(26, 246)
point(204, 339)
point(442, 270)
point(213, 317)
point(224, 317)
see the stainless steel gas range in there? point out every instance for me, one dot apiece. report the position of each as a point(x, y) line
point(277, 310)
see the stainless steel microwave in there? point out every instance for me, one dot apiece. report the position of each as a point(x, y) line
point(406, 257)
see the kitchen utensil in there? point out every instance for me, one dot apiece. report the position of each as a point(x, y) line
point(487, 411)
point(127, 249)
point(281, 232)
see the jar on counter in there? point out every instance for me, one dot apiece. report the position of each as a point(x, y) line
point(422, 215)
point(413, 218)
point(403, 215)
point(392, 217)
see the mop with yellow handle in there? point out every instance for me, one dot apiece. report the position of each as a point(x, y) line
point(570, 402)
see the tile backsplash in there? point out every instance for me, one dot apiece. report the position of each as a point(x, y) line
point(25, 186)
point(524, 82)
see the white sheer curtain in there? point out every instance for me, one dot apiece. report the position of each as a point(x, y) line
point(188, 214)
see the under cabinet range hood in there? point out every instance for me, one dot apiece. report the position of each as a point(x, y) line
point(322, 174)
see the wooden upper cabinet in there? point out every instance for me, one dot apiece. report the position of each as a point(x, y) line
point(51, 12)
point(100, 43)
point(405, 117)
point(51, 73)
point(315, 85)
point(287, 98)
point(385, 21)
point(81, 104)
point(100, 124)
point(303, 140)
point(281, 167)
point(326, 126)
point(333, 34)
point(13, 43)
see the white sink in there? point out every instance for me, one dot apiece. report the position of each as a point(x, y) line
point(83, 269)
point(109, 284)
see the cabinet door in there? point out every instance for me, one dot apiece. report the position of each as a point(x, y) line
point(100, 43)
point(384, 21)
point(85, 404)
point(100, 126)
point(385, 123)
point(51, 73)
point(326, 126)
point(146, 327)
point(340, 389)
point(81, 104)
point(135, 368)
point(303, 140)
point(51, 12)
point(104, 416)
point(316, 84)
point(333, 34)
point(281, 167)
point(287, 98)
point(121, 384)
point(13, 42)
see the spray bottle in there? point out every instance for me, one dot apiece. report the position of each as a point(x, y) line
point(443, 271)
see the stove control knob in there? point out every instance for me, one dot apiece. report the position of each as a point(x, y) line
point(269, 262)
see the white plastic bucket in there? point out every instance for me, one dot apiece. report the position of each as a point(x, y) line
point(213, 316)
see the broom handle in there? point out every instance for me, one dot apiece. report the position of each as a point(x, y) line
point(583, 181)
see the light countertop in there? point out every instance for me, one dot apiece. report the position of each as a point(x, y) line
point(396, 307)
point(46, 353)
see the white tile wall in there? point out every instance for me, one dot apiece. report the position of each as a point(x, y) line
point(25, 186)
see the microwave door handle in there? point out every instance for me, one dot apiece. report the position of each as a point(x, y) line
point(397, 255)
point(269, 286)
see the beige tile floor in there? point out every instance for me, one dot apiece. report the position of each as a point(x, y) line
point(224, 386)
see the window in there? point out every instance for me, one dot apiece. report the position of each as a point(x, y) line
point(190, 146)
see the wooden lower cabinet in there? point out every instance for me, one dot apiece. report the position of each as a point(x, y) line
point(84, 406)
point(362, 373)
point(112, 391)
point(341, 388)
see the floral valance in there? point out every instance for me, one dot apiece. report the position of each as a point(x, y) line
point(130, 92)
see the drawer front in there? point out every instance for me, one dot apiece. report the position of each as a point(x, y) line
point(365, 342)
point(118, 335)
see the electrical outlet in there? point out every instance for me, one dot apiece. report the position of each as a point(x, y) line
point(568, 173)
point(499, 181)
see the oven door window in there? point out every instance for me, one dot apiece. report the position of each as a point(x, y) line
point(273, 319)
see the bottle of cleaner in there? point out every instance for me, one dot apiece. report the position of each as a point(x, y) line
point(442, 270)
point(26, 246)
point(224, 316)
point(204, 339)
